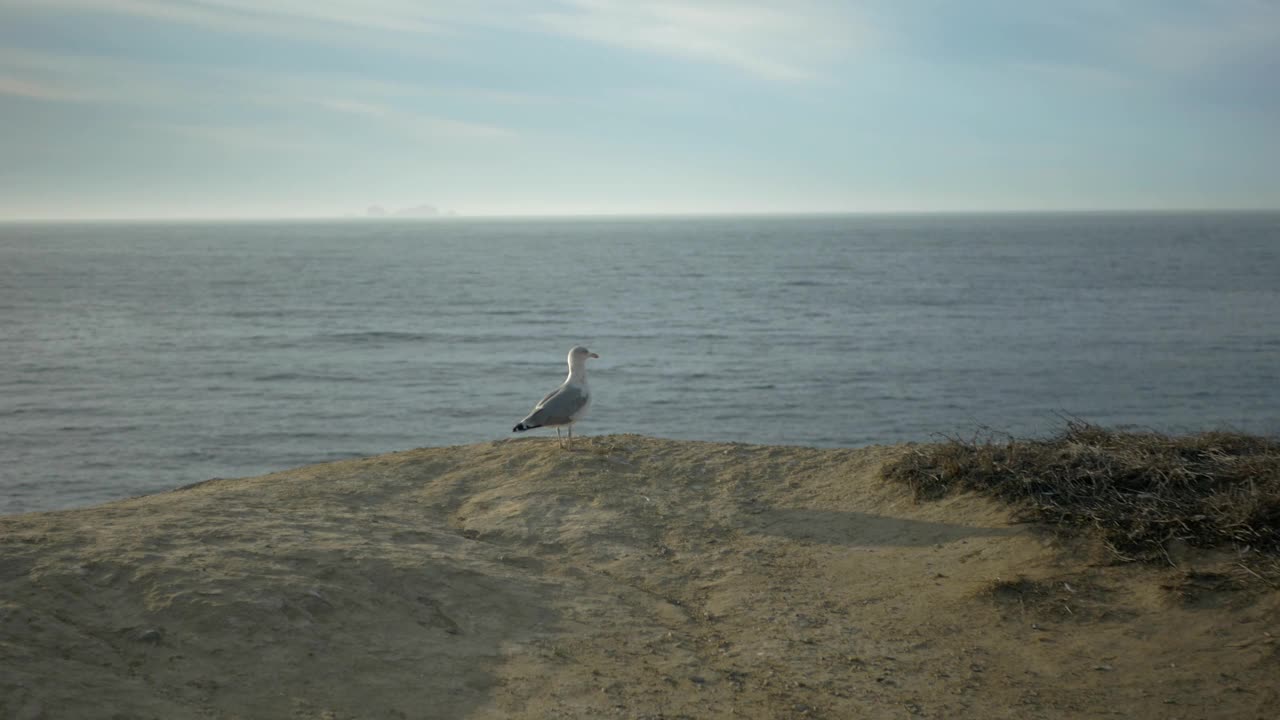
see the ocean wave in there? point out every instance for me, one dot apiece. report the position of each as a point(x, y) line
point(377, 336)
point(308, 377)
point(248, 314)
point(694, 334)
point(98, 430)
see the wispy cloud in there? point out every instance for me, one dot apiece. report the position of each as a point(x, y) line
point(416, 124)
point(284, 16)
point(1218, 34)
point(786, 41)
point(20, 87)
point(90, 78)
point(779, 40)
point(183, 93)
point(1141, 48)
point(252, 138)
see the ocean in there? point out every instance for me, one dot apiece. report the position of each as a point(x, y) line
point(139, 357)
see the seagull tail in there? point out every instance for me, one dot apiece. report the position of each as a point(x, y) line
point(522, 427)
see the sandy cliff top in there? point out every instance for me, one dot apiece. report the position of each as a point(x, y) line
point(632, 577)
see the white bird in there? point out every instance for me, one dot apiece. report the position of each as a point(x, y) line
point(566, 404)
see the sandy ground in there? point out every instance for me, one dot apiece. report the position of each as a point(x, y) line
point(632, 577)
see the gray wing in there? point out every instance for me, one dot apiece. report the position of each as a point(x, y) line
point(559, 407)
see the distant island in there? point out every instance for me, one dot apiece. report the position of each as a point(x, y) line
point(417, 211)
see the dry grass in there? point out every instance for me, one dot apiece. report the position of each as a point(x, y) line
point(1139, 492)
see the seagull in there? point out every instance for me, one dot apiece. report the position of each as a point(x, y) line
point(567, 403)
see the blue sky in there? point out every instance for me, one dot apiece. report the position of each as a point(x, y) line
point(289, 108)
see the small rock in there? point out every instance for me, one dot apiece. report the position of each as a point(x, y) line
point(150, 636)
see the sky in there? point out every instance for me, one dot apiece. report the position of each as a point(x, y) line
point(301, 108)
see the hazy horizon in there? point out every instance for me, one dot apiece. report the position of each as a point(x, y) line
point(710, 215)
point(231, 109)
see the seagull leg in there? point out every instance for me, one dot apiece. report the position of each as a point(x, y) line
point(570, 437)
point(559, 440)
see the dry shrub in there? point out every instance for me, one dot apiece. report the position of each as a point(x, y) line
point(1138, 491)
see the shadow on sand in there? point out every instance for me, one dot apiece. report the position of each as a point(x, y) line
point(845, 527)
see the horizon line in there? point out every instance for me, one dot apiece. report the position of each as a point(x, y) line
point(455, 216)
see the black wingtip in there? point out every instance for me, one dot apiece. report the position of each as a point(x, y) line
point(522, 427)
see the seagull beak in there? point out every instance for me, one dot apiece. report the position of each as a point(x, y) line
point(594, 356)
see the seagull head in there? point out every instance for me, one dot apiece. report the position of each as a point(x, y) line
point(578, 355)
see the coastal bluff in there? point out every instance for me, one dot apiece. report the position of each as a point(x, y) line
point(632, 577)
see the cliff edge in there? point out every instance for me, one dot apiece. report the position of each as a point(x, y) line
point(631, 577)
